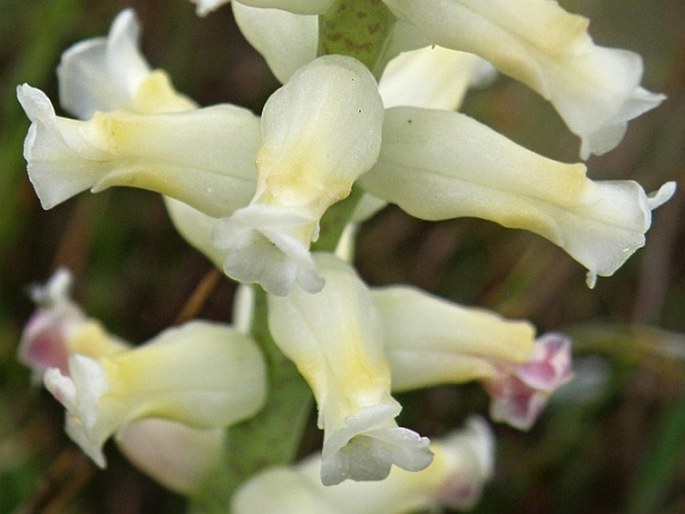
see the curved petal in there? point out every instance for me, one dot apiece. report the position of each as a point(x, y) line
point(463, 463)
point(596, 90)
point(202, 374)
point(320, 132)
point(151, 151)
point(104, 74)
point(177, 456)
point(432, 77)
point(286, 41)
point(335, 340)
point(439, 165)
point(430, 341)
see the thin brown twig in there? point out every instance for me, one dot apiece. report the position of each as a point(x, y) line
point(196, 301)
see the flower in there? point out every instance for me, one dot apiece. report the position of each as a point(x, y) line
point(438, 165)
point(430, 341)
point(54, 330)
point(106, 74)
point(320, 132)
point(156, 151)
point(463, 463)
point(336, 341)
point(204, 375)
point(176, 455)
point(596, 90)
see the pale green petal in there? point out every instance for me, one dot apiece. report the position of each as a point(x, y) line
point(203, 157)
point(596, 90)
point(440, 165)
point(202, 374)
point(286, 41)
point(335, 340)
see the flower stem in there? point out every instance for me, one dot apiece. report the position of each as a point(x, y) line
point(358, 28)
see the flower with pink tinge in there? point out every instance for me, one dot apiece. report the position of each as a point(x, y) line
point(520, 392)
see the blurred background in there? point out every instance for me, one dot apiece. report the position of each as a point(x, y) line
point(613, 441)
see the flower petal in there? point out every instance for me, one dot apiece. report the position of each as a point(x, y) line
point(202, 374)
point(334, 338)
point(432, 77)
point(286, 41)
point(177, 456)
point(104, 74)
point(320, 132)
point(152, 151)
point(438, 165)
point(430, 341)
point(596, 90)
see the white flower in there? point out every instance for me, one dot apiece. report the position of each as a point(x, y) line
point(320, 132)
point(463, 463)
point(438, 165)
point(335, 339)
point(430, 341)
point(105, 74)
point(596, 90)
point(201, 374)
point(203, 157)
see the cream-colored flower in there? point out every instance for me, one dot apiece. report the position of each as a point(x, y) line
point(595, 90)
point(336, 341)
point(203, 157)
point(176, 455)
point(320, 132)
point(204, 375)
point(430, 341)
point(437, 165)
point(106, 74)
point(463, 463)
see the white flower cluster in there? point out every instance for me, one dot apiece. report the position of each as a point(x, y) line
point(250, 191)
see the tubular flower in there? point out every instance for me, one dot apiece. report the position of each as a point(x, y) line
point(201, 374)
point(463, 463)
point(595, 90)
point(320, 132)
point(176, 455)
point(59, 328)
point(150, 151)
point(430, 341)
point(106, 74)
point(438, 165)
point(335, 339)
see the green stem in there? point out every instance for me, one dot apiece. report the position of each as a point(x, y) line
point(358, 28)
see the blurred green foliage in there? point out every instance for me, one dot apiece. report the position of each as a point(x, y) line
point(612, 441)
